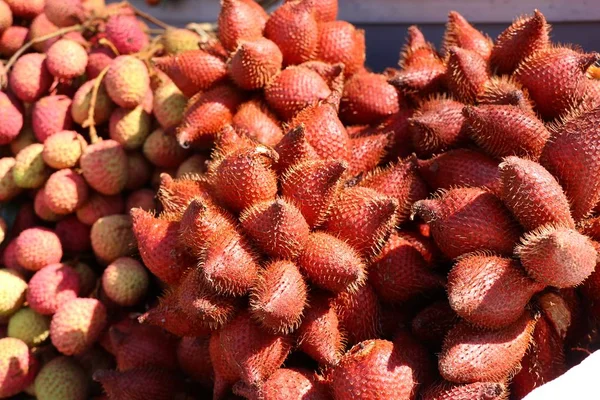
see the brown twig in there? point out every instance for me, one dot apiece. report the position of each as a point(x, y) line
point(202, 29)
point(90, 120)
point(107, 43)
point(148, 17)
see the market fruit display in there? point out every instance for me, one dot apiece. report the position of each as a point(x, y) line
point(245, 210)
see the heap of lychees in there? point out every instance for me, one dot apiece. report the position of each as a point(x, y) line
point(320, 231)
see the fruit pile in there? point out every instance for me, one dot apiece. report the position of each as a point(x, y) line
point(252, 213)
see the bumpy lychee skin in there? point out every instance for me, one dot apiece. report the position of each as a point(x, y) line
point(477, 390)
point(64, 13)
point(98, 59)
point(489, 291)
point(24, 139)
point(77, 325)
point(11, 112)
point(112, 238)
point(29, 78)
point(126, 34)
point(125, 281)
point(62, 378)
point(41, 208)
point(29, 171)
point(476, 355)
point(51, 114)
point(169, 105)
point(163, 150)
point(127, 81)
point(477, 219)
point(12, 39)
point(17, 367)
point(38, 247)
point(63, 149)
point(13, 293)
point(26, 9)
point(240, 20)
point(51, 287)
point(255, 63)
point(41, 26)
point(375, 369)
point(74, 235)
point(65, 191)
point(368, 98)
point(104, 166)
point(557, 256)
point(80, 108)
point(179, 40)
point(66, 59)
point(99, 206)
point(8, 186)
point(29, 326)
point(129, 127)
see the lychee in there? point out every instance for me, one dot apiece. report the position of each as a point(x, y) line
point(74, 235)
point(8, 186)
point(125, 281)
point(112, 237)
point(29, 78)
point(104, 166)
point(66, 59)
point(11, 112)
point(13, 293)
point(127, 81)
point(65, 191)
point(77, 325)
point(99, 206)
point(51, 114)
point(17, 367)
point(51, 287)
point(63, 149)
point(30, 171)
point(38, 247)
point(80, 108)
point(163, 150)
point(126, 34)
point(29, 326)
point(62, 378)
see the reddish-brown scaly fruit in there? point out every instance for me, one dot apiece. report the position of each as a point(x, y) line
point(461, 34)
point(506, 130)
point(437, 125)
point(533, 195)
point(254, 354)
point(276, 227)
point(368, 98)
point(523, 38)
point(313, 187)
point(176, 194)
point(469, 219)
point(432, 323)
point(229, 140)
point(467, 74)
point(471, 391)
point(421, 76)
point(325, 12)
point(294, 89)
point(169, 316)
point(368, 150)
point(294, 148)
point(375, 369)
point(142, 345)
point(460, 168)
point(570, 156)
point(192, 70)
point(287, 384)
point(240, 20)
point(364, 218)
point(293, 27)
point(359, 313)
point(557, 256)
point(400, 272)
point(340, 42)
point(560, 309)
point(200, 222)
point(244, 177)
point(472, 354)
point(194, 359)
point(206, 115)
point(278, 297)
point(543, 362)
point(226, 374)
point(157, 240)
point(556, 79)
point(319, 334)
point(140, 383)
point(255, 63)
point(505, 90)
point(490, 291)
point(254, 119)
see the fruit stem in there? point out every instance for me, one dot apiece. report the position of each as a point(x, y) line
point(110, 45)
point(148, 17)
point(27, 45)
point(92, 109)
point(202, 29)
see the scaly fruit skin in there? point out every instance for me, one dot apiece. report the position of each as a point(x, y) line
point(125, 281)
point(467, 74)
point(400, 272)
point(11, 112)
point(112, 237)
point(63, 149)
point(126, 34)
point(29, 78)
point(294, 29)
point(65, 191)
point(488, 291)
point(99, 206)
point(141, 383)
point(557, 256)
point(104, 166)
point(17, 367)
point(471, 391)
point(142, 345)
point(475, 355)
point(278, 298)
point(225, 374)
point(432, 323)
point(374, 369)
point(64, 13)
point(77, 325)
point(66, 59)
point(256, 120)
point(533, 195)
point(26, 9)
point(8, 186)
point(570, 154)
point(29, 326)
point(62, 378)
point(255, 63)
point(461, 34)
point(556, 80)
point(341, 42)
point(51, 287)
point(194, 359)
point(359, 313)
point(287, 384)
point(368, 98)
point(465, 220)
point(29, 171)
point(12, 293)
point(505, 90)
point(460, 168)
point(81, 104)
point(127, 81)
point(38, 247)
point(240, 20)
point(51, 114)
point(523, 38)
